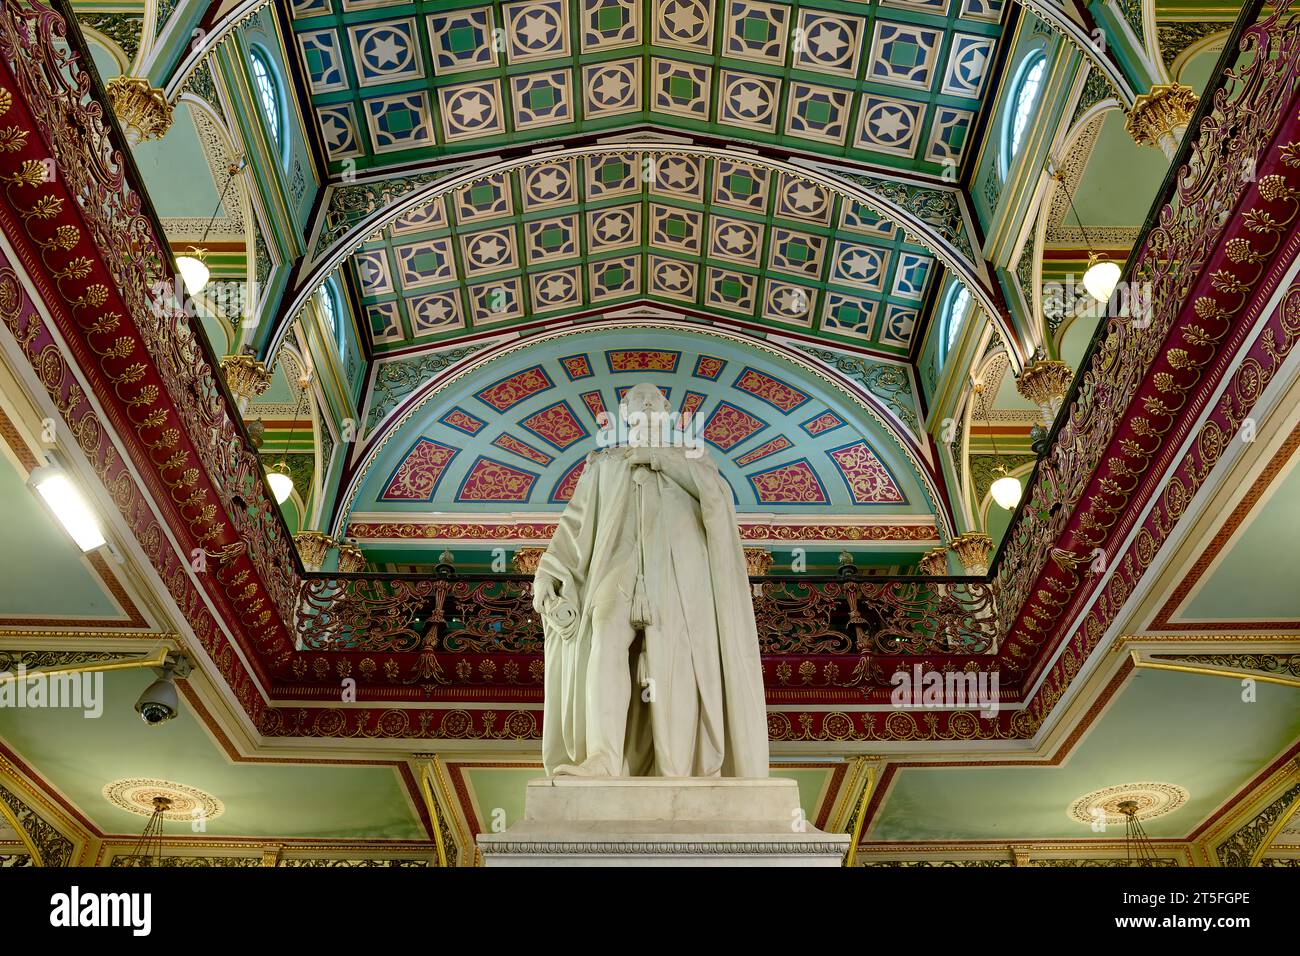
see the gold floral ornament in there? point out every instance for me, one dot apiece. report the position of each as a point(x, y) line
point(1045, 382)
point(312, 546)
point(1160, 116)
point(246, 376)
point(526, 560)
point(934, 562)
point(758, 562)
point(141, 108)
point(351, 559)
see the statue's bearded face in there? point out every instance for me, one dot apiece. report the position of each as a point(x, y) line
point(644, 399)
point(645, 410)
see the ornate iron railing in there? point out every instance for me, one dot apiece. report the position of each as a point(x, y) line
point(489, 614)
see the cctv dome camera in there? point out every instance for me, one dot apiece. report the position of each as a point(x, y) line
point(158, 704)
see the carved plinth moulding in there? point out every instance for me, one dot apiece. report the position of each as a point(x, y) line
point(351, 559)
point(142, 109)
point(1160, 116)
point(934, 562)
point(1045, 382)
point(758, 561)
point(972, 549)
point(526, 560)
point(312, 547)
point(247, 378)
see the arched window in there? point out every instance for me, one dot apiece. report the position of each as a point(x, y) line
point(954, 315)
point(327, 302)
point(268, 91)
point(1024, 99)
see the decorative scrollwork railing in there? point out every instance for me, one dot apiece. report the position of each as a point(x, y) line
point(493, 614)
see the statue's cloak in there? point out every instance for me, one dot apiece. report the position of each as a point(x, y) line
point(673, 522)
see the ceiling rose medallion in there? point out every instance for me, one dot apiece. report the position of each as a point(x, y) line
point(1152, 799)
point(136, 795)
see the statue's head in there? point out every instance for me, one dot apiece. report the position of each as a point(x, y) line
point(644, 398)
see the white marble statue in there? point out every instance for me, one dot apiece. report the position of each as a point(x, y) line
point(652, 665)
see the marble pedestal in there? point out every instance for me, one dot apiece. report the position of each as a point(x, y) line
point(662, 821)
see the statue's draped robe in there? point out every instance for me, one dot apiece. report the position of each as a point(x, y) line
point(706, 713)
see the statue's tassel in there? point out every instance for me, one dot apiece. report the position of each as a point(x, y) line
point(640, 603)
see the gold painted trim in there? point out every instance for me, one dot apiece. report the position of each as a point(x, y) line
point(22, 833)
point(157, 659)
point(868, 788)
point(1273, 832)
point(1148, 664)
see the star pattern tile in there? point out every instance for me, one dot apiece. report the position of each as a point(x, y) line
point(890, 83)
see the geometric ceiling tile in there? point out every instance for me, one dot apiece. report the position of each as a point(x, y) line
point(948, 134)
point(552, 184)
point(755, 31)
point(546, 240)
point(536, 30)
point(849, 315)
point(564, 488)
point(611, 88)
point(930, 6)
point(681, 176)
point(675, 228)
point(735, 240)
point(576, 366)
point(614, 227)
point(781, 396)
point(425, 263)
point(817, 112)
point(912, 275)
point(789, 303)
point(770, 447)
point(435, 312)
point(557, 425)
point(820, 424)
point(417, 476)
point(614, 175)
point(338, 126)
point(462, 40)
point(673, 279)
point(320, 54)
point(681, 89)
point(897, 326)
point(524, 450)
point(968, 61)
point(462, 420)
point(868, 481)
point(385, 322)
point(855, 217)
point(741, 186)
point(859, 265)
point(488, 198)
point(489, 250)
point(508, 392)
point(748, 100)
point(828, 43)
point(800, 199)
point(707, 366)
point(541, 99)
point(372, 267)
point(904, 54)
point(386, 52)
point(420, 219)
point(733, 291)
point(610, 24)
point(491, 480)
point(990, 11)
point(687, 24)
point(642, 360)
point(612, 278)
point(728, 426)
point(890, 125)
point(496, 301)
point(400, 121)
point(793, 484)
point(796, 253)
point(556, 289)
point(471, 109)
point(309, 8)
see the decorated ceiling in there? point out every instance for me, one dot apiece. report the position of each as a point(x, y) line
point(897, 83)
point(586, 233)
point(513, 433)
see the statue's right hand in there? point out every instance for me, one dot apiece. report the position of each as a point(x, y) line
point(545, 587)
